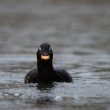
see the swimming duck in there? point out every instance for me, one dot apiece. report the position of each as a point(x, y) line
point(45, 72)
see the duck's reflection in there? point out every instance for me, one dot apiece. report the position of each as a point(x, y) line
point(45, 86)
point(45, 90)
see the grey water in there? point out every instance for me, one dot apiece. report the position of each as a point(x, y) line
point(79, 33)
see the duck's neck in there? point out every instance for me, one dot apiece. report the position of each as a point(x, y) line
point(45, 71)
point(44, 66)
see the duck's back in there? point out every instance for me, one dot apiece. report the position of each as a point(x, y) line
point(62, 76)
point(58, 75)
point(31, 77)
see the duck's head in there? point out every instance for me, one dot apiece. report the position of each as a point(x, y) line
point(44, 53)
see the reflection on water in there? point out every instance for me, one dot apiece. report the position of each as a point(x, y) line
point(45, 87)
point(79, 32)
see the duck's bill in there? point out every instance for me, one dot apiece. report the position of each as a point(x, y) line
point(45, 57)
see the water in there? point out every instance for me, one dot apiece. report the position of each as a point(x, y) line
point(79, 33)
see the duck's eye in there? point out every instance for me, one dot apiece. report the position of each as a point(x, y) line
point(39, 49)
point(50, 49)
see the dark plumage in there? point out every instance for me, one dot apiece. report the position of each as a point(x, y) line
point(45, 72)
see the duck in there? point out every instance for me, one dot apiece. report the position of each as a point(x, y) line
point(45, 71)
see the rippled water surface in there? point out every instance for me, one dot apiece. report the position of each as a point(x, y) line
point(79, 33)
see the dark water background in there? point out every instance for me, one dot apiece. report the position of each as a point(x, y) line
point(79, 32)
